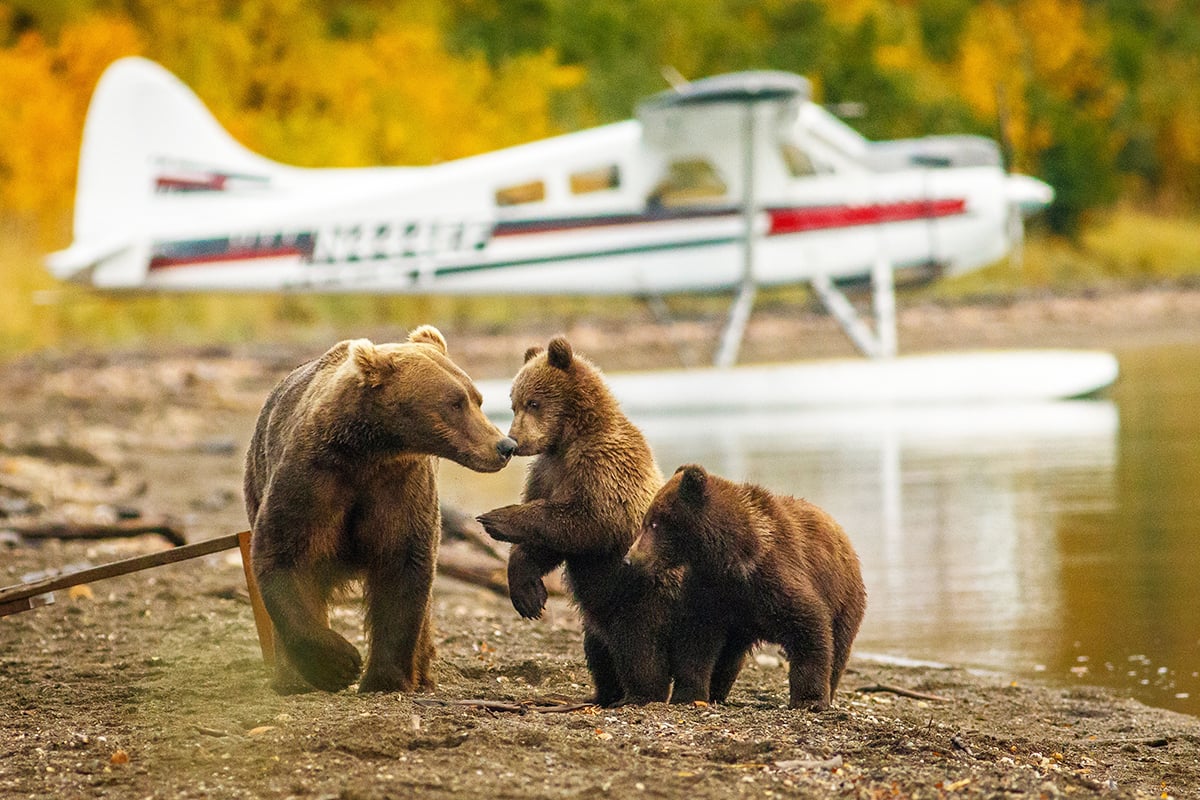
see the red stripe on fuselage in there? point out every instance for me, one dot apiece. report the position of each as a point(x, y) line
point(798, 220)
point(171, 183)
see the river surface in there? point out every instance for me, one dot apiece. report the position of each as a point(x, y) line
point(1057, 540)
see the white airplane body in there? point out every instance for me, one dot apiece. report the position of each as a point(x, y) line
point(167, 200)
point(733, 182)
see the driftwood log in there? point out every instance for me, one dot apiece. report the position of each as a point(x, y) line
point(165, 527)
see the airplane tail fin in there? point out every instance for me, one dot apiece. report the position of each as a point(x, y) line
point(146, 134)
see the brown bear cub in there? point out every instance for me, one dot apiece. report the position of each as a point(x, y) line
point(584, 498)
point(760, 568)
point(341, 484)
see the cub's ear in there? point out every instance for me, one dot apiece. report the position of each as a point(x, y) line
point(532, 353)
point(560, 354)
point(370, 364)
point(693, 484)
point(427, 334)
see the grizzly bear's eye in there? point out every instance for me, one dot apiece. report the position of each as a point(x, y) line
point(459, 404)
point(533, 405)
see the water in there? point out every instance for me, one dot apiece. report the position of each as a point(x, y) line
point(1060, 540)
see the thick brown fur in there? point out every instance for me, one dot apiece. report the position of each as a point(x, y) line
point(761, 567)
point(584, 498)
point(341, 484)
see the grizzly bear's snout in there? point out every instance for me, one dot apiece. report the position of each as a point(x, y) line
point(506, 447)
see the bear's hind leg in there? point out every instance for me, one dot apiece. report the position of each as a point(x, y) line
point(845, 628)
point(810, 652)
point(296, 602)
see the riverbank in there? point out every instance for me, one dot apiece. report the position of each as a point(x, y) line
point(151, 685)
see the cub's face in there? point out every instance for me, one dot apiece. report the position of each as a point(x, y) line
point(540, 398)
point(670, 529)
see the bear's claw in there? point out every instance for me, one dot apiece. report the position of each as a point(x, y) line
point(496, 524)
point(528, 598)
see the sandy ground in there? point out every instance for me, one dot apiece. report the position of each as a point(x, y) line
point(151, 685)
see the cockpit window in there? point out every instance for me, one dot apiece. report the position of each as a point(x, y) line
point(797, 161)
point(688, 181)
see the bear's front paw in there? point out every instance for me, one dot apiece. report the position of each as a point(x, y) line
point(326, 660)
point(528, 597)
point(499, 524)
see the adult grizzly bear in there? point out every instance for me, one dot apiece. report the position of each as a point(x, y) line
point(584, 498)
point(341, 484)
point(760, 568)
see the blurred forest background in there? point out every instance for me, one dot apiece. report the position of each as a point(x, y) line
point(1101, 98)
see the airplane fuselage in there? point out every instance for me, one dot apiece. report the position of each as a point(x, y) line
point(742, 178)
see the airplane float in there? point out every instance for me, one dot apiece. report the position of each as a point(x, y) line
point(728, 183)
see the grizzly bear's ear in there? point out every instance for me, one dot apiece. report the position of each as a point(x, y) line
point(693, 484)
point(427, 334)
point(532, 352)
point(362, 354)
point(560, 353)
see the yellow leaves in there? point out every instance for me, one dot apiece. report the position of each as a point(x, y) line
point(1059, 42)
point(851, 12)
point(280, 82)
point(988, 57)
point(44, 89)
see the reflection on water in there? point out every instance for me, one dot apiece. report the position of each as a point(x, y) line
point(1058, 538)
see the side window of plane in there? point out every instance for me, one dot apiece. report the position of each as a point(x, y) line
point(688, 181)
point(521, 193)
point(596, 180)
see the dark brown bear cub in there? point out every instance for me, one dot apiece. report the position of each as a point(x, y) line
point(585, 494)
point(761, 568)
point(341, 484)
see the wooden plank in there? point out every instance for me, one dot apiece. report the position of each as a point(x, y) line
point(262, 621)
point(23, 591)
point(25, 596)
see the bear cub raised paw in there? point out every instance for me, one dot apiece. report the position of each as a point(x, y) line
point(341, 484)
point(761, 567)
point(586, 491)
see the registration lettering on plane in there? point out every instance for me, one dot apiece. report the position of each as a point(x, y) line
point(392, 240)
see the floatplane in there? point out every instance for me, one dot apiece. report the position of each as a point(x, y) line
point(729, 183)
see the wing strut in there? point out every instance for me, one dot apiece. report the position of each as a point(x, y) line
point(877, 343)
